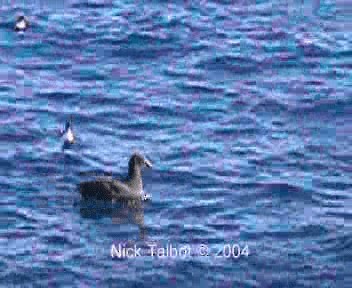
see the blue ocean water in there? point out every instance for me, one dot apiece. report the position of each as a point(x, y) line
point(244, 108)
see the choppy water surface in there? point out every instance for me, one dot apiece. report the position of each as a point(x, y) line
point(244, 109)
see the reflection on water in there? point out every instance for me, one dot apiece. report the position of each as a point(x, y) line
point(121, 212)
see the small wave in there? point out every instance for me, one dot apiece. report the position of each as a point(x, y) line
point(92, 5)
point(140, 45)
point(26, 215)
point(233, 64)
point(200, 87)
point(233, 132)
point(56, 95)
point(324, 107)
point(345, 53)
point(57, 240)
point(269, 107)
point(285, 191)
point(280, 60)
point(313, 50)
point(268, 35)
point(346, 216)
point(142, 53)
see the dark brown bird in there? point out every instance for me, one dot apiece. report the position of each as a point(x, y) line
point(110, 189)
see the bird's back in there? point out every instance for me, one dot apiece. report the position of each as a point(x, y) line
point(105, 190)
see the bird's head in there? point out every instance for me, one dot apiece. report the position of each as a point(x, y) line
point(138, 161)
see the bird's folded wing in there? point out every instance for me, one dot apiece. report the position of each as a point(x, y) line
point(120, 190)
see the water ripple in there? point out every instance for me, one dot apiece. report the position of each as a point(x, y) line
point(243, 110)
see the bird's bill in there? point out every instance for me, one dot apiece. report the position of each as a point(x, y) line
point(148, 164)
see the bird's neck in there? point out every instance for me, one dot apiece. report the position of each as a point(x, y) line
point(136, 179)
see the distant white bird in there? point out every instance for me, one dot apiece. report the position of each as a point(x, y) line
point(69, 137)
point(21, 24)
